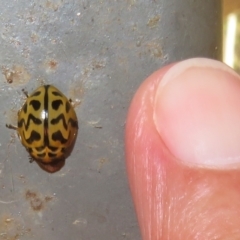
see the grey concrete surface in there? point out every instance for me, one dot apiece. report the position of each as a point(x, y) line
point(97, 53)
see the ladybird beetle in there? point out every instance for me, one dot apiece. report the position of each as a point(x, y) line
point(47, 127)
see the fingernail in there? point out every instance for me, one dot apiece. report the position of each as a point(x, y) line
point(197, 113)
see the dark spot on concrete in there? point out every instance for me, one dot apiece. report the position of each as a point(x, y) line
point(37, 202)
point(52, 64)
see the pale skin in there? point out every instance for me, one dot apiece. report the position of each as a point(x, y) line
point(183, 153)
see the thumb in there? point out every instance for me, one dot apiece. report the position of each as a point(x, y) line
point(183, 154)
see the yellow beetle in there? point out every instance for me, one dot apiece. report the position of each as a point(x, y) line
point(47, 127)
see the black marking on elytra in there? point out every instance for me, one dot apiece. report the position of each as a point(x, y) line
point(52, 155)
point(24, 108)
point(36, 104)
point(73, 123)
point(57, 136)
point(56, 104)
point(63, 150)
point(68, 106)
point(41, 155)
point(45, 123)
point(35, 136)
point(35, 120)
point(40, 149)
point(36, 94)
point(58, 119)
point(54, 149)
point(55, 93)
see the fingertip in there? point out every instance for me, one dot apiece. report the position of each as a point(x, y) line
point(196, 113)
point(166, 189)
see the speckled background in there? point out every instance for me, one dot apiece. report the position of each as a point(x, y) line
point(97, 53)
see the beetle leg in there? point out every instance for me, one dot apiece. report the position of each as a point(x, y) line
point(25, 92)
point(10, 126)
point(71, 102)
point(74, 103)
point(31, 159)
